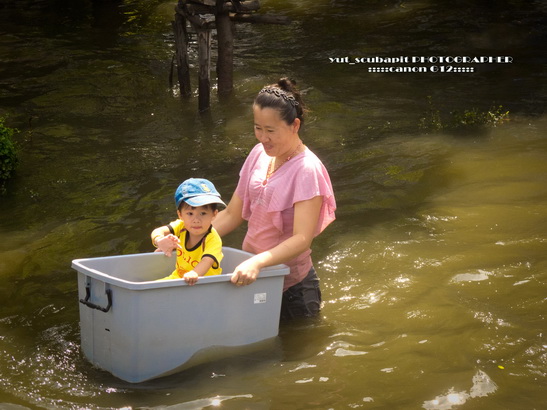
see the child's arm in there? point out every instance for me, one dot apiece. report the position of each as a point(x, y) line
point(201, 269)
point(164, 240)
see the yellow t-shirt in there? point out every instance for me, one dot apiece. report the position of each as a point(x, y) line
point(187, 259)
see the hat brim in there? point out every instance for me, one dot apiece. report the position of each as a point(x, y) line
point(201, 200)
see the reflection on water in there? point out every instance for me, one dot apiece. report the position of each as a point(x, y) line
point(443, 282)
point(482, 386)
point(433, 275)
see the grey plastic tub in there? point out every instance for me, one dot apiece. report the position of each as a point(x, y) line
point(139, 329)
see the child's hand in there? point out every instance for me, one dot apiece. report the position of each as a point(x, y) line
point(191, 277)
point(168, 244)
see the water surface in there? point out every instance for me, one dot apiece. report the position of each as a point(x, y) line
point(434, 273)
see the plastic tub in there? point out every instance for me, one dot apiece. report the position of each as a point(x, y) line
point(139, 329)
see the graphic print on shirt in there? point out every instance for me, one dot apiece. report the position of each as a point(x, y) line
point(185, 262)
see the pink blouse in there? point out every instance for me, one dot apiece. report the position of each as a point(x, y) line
point(269, 208)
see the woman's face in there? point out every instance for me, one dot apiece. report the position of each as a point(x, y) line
point(278, 138)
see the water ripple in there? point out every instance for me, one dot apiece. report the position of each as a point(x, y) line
point(482, 386)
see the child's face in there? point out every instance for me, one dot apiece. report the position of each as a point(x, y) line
point(197, 220)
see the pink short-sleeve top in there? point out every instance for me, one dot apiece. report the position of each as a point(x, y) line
point(268, 206)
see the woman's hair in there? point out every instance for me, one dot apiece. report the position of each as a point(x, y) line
point(283, 97)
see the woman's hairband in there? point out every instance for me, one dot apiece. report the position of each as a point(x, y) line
point(278, 92)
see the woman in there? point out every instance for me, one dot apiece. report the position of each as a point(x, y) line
point(285, 194)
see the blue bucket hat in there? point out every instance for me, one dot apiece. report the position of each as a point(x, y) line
point(197, 192)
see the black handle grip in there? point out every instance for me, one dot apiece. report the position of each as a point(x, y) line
point(93, 305)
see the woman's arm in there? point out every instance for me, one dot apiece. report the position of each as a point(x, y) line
point(230, 218)
point(306, 216)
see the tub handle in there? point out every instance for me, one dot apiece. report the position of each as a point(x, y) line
point(93, 305)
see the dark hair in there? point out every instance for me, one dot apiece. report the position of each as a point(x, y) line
point(213, 207)
point(283, 97)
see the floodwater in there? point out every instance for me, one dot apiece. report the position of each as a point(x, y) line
point(434, 275)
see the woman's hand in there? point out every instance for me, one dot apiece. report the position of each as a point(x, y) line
point(168, 244)
point(246, 272)
point(191, 277)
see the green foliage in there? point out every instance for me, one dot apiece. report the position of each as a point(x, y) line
point(144, 15)
point(474, 117)
point(432, 119)
point(463, 120)
point(8, 153)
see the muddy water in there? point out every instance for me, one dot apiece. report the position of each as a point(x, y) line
point(434, 273)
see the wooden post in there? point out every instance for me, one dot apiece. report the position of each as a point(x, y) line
point(204, 15)
point(225, 66)
point(181, 55)
point(204, 57)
